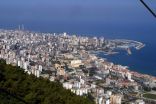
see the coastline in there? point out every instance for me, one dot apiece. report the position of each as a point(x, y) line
point(135, 73)
point(140, 45)
point(69, 60)
point(126, 69)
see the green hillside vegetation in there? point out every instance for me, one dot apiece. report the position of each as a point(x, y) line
point(17, 87)
point(150, 96)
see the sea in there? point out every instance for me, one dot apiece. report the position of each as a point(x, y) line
point(121, 19)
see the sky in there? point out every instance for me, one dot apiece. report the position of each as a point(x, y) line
point(75, 10)
point(76, 15)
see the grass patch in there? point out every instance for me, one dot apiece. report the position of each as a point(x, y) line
point(150, 96)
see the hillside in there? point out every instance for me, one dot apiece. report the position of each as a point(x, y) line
point(17, 87)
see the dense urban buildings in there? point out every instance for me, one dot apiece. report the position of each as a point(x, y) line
point(71, 60)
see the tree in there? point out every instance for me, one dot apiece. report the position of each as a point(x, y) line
point(22, 88)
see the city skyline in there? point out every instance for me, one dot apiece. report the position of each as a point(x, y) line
point(100, 52)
